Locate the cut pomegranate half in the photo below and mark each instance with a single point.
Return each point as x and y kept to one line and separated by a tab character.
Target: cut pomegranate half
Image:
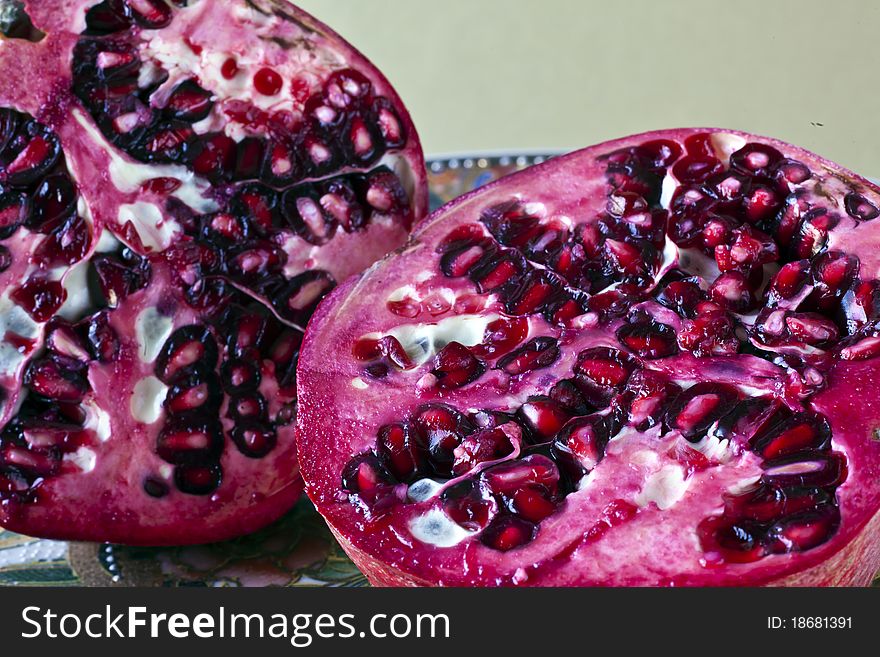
653	368
169	222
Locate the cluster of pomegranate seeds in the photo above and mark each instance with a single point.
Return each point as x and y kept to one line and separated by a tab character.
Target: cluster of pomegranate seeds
191	181
699	253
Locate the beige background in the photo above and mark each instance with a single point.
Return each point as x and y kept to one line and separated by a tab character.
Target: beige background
501	74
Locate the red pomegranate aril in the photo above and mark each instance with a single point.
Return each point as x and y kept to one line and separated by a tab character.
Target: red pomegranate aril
755	159
402	450
364	473
799	433
455	366
189	443
502	335
698	407
858	207
544	418
649	339
480	447
508	532
737	541
805	530
789	280
268	82
604	366
663	152
229	69
198	479
693	168
817	469
40	298
533	470
254	439
812	328
584	439
189	102
531	504
732	290
537	353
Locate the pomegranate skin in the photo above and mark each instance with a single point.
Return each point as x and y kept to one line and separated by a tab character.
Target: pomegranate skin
347	392
164	114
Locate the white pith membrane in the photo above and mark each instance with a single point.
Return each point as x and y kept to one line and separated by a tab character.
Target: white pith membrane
459	459
151	369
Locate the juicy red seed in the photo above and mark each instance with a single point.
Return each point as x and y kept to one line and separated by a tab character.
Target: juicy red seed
858	207
816	469
662	152
699	144
186	347
107	17
793	171
567	394
651	393
732	291
455	366
508	532
402	450
198	479
229	69
756	159
189	102
188	443
649	339
346	87
152	14
254	439
502	335
681	296
40	299
544	417
248	407
698	407
693	168
535	354
57	378
812	328
480	447
531	504
239	376
268	82
737	541
217	156
533	470
103	341
799	433
604	366
767	504
193	393
805	530
467	505
790	279
582	443
510	225
364	473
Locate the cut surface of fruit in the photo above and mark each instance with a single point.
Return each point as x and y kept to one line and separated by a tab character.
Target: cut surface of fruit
653	368
181	183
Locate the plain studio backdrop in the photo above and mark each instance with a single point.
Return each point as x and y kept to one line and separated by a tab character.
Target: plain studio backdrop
482	75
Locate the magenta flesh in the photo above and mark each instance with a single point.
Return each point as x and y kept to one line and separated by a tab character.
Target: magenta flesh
654	366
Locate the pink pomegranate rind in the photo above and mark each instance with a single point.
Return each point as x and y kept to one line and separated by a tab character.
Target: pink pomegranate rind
647	363
180	184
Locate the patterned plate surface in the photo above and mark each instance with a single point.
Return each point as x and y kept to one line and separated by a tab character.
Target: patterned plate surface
298	550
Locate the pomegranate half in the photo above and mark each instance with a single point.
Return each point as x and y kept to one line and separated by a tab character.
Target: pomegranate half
180	183
650	362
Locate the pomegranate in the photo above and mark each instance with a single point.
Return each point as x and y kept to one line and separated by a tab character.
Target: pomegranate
179	187
655	366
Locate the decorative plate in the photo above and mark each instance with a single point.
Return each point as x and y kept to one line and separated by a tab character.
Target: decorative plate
298	550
